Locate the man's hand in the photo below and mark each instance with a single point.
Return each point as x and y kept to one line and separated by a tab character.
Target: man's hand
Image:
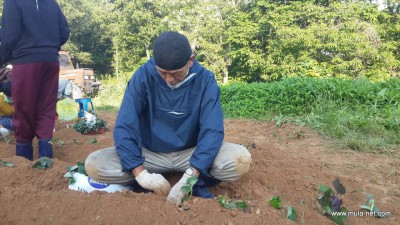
153	181
176	194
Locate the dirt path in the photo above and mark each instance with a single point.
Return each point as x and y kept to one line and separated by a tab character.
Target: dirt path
288	161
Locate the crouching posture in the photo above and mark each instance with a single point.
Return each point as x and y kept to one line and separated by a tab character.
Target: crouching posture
170	120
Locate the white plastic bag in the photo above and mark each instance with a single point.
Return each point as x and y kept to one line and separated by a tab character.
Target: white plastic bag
86	184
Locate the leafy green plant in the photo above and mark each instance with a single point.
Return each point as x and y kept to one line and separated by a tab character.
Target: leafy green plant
228	203
6	140
78	168
331	202
57	141
7	164
371	207
275	202
43	163
90	123
93	141
188	188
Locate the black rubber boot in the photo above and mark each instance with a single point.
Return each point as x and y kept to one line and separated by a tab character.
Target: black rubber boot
25	150
45	148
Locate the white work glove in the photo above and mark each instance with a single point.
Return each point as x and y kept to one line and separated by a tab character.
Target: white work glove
176	194
153	181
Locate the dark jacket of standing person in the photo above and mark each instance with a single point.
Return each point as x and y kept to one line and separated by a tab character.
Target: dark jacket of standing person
32	35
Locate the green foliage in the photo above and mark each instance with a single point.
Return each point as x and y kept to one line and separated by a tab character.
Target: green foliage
7	140
251	41
112	90
371	207
57	141
332	203
93	141
361	114
228	203
187	189
275	202
291	213
43	163
272	41
78	168
7	164
86	126
90	42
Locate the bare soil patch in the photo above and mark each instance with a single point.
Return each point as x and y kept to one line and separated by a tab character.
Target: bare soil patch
289	161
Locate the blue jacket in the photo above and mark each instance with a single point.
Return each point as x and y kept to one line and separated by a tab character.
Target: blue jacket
162	119
32	31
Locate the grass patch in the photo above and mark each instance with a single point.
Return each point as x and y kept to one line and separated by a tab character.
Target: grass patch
358	114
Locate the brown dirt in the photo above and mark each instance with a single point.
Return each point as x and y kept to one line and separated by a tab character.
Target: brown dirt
289	161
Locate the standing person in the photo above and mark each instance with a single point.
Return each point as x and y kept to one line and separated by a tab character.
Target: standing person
170	120
32	33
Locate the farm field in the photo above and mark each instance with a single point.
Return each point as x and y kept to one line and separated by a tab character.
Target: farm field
288	161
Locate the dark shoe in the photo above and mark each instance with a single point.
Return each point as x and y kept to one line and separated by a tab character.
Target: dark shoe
200	189
202	192
45	148
25	150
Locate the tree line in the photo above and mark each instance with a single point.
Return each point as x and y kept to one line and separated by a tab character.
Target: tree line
242	40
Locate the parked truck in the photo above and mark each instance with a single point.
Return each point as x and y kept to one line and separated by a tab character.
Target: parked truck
84	78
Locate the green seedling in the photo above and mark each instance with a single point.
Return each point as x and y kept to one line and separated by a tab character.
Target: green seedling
228	203
57	141
371	207
43	163
93	141
76	141
6	140
330	201
78	168
275	202
7	164
188	188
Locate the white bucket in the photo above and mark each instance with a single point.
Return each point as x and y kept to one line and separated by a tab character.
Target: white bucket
86	184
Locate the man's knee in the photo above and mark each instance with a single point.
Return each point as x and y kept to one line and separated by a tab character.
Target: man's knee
91	165
98	162
232	162
242	161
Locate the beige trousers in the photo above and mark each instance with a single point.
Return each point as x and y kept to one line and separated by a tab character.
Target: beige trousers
231	163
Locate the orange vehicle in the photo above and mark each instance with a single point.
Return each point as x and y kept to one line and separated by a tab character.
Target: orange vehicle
84	78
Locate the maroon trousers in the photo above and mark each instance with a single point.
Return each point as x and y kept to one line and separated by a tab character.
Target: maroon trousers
34	93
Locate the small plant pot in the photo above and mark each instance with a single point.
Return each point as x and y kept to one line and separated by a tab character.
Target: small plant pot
98	131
